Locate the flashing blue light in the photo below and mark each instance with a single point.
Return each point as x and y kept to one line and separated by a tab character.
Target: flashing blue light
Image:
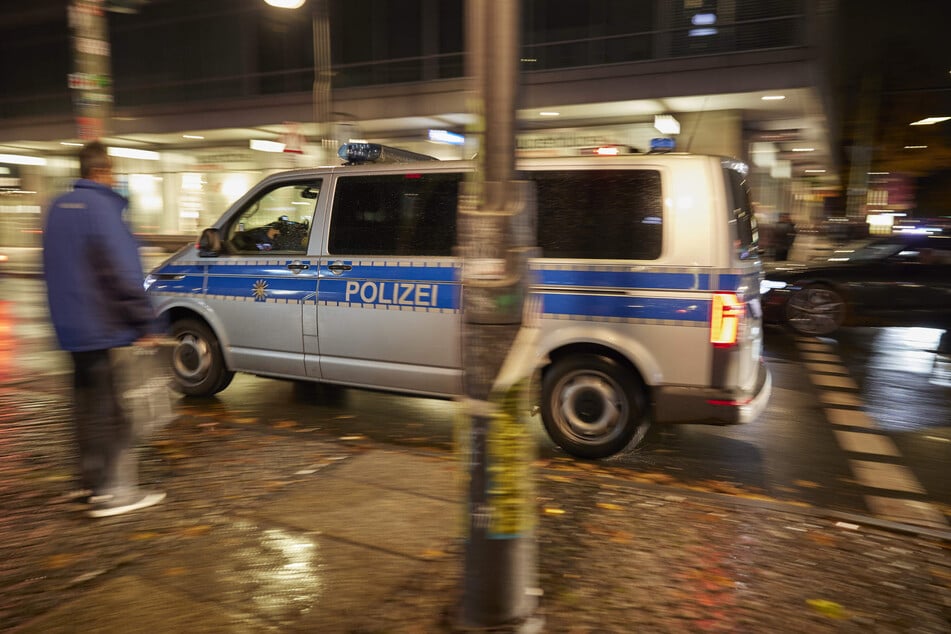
702	32
444	136
704	19
360	152
662	144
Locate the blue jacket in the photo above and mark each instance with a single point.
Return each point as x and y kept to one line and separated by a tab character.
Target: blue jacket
93	271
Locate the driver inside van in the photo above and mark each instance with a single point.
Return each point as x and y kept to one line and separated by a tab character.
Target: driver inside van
256	239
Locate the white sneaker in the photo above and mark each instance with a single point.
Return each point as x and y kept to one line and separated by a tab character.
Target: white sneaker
109	505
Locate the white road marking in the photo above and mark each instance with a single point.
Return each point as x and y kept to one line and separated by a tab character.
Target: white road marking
863	442
884	475
821	356
834	381
908	511
840	398
826	371
849	418
827	368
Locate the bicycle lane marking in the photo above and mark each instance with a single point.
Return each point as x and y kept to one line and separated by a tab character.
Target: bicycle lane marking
879	463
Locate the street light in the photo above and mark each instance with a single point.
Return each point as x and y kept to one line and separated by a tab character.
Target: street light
286	4
322	74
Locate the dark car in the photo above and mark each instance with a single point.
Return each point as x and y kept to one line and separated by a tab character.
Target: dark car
898	280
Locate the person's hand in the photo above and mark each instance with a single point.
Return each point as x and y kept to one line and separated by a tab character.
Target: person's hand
152	341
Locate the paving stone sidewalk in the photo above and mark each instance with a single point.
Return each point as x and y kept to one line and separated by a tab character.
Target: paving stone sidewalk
270	530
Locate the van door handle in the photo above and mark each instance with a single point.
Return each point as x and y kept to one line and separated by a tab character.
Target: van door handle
337	268
297	266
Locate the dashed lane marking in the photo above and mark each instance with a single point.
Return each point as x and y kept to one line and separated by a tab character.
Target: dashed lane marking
829	380
826	371
840	398
849	418
821	356
864	442
827	368
884	475
907	511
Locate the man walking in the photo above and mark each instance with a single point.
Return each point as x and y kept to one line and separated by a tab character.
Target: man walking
97	302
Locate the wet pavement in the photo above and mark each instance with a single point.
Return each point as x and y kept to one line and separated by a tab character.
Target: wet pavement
272	526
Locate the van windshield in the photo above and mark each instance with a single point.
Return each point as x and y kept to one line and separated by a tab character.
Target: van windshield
746	233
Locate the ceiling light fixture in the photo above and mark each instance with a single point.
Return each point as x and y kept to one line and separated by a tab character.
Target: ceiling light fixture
548	113
929	121
666	124
266	146
773	97
804	149
814	171
192	136
285	4
16	159
132	153
915	147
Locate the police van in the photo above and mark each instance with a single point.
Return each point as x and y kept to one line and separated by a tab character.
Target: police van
648	282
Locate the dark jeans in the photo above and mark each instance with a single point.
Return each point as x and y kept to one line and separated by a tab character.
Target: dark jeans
103	432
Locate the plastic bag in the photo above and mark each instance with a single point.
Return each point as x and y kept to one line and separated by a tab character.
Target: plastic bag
143	375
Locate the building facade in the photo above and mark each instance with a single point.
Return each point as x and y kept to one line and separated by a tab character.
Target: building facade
194	84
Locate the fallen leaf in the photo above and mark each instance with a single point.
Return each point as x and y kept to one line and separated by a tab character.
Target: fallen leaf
178	571
196	531
554	511
807	484
610	506
62	560
827	608
143	536
621	537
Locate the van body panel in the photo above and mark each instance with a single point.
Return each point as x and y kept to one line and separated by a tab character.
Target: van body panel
346	303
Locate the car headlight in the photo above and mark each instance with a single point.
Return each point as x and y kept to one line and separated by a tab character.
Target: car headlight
149	280
766	286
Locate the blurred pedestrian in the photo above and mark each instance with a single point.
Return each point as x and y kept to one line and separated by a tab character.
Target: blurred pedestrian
97	303
785	235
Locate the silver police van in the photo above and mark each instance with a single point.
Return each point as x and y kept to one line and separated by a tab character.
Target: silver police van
648	283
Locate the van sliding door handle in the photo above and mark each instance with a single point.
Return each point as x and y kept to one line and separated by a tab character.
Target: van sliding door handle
298	266
339	268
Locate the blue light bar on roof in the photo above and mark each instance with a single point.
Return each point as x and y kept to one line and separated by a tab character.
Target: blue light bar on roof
662	144
444	136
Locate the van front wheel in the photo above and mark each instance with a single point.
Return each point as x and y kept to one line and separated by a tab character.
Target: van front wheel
592	407
198	366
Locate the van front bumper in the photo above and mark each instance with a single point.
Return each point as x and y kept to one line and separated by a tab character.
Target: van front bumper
680	404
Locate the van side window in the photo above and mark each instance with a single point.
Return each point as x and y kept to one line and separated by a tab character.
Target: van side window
600	214
394	214
277	220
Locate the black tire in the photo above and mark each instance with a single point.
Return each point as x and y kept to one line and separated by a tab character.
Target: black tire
198	367
592	407
816	310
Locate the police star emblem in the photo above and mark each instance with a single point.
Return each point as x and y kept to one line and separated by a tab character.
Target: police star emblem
260	290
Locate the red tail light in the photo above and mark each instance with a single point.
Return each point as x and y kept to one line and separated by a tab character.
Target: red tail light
726	313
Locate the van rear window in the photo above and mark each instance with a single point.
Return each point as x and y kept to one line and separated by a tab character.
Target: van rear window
741	214
599	214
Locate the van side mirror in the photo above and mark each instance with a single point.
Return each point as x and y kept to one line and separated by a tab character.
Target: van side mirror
209	243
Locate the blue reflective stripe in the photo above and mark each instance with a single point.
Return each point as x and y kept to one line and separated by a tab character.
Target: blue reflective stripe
261	287
624	279
270	268
625	307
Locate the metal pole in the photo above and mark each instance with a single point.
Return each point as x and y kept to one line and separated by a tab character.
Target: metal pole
496	218
91	80
322	78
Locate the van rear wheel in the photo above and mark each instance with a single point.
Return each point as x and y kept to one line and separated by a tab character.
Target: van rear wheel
198	367
592	407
